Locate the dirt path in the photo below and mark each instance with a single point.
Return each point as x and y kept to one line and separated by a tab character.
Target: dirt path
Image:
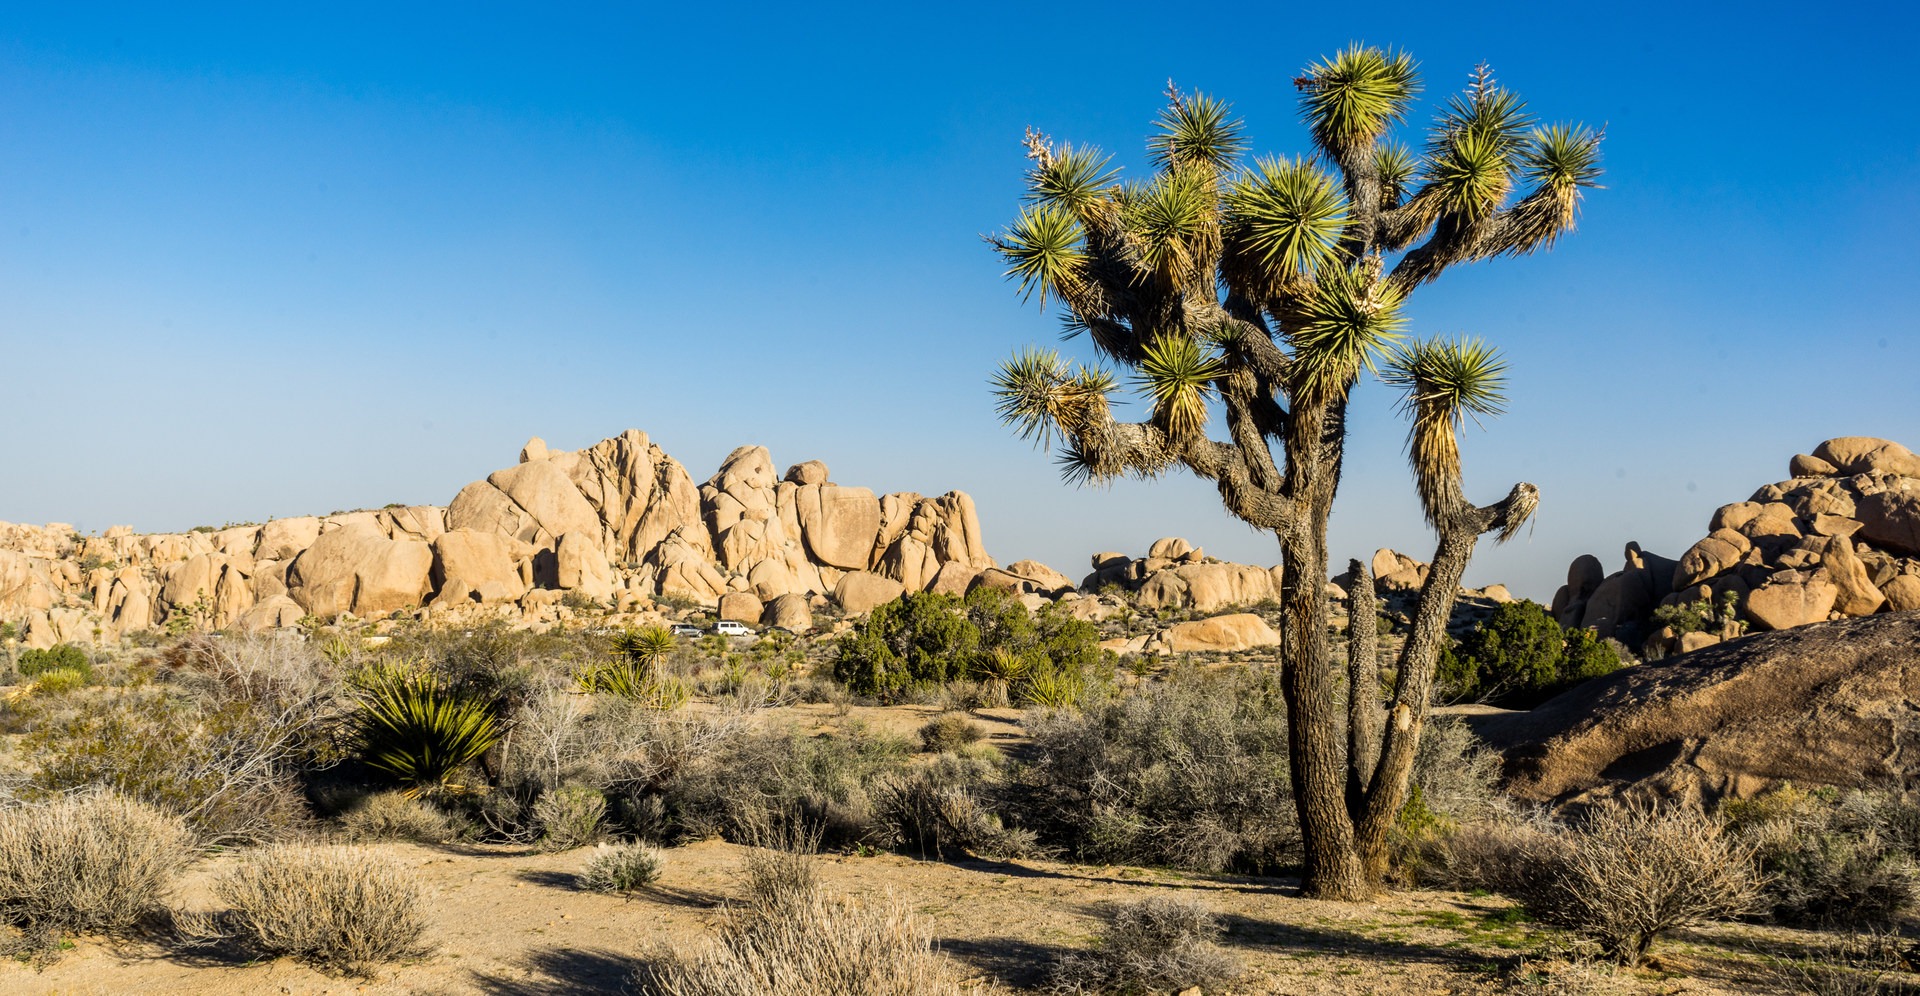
511	922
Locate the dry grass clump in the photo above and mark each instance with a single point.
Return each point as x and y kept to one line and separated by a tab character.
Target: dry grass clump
791	938
395	816
569	817
950	732
945	810
1160	944
1833	859
1628	875
88	864
622	867
339	908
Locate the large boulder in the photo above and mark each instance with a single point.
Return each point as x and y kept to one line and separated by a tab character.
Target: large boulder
1711	557
789	612
1902	592
741	606
1239	631
1854	591
839	524
1816	705
581	565
357	569
1867	455
1891	518
860	592
1791	598
482	566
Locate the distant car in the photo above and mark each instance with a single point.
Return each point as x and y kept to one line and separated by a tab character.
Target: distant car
727	627
685	629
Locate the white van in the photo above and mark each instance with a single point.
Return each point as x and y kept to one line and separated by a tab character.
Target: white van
727	627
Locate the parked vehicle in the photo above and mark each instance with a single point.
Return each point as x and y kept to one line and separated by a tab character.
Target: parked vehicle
685	629
727	627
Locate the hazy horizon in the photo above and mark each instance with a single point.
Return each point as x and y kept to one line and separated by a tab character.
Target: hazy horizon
257	264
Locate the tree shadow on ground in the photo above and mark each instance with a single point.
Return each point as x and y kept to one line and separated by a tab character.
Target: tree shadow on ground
1010	961
1291	938
560	972
1196	881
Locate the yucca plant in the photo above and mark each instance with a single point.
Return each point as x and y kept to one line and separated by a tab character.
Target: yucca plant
1245	299
421	733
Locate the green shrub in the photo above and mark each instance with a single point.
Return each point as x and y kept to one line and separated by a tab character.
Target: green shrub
924	639
420	732
622	867
340	908
1520	657
61	657
88	864
569	817
917	640
60	680
1155	945
748	777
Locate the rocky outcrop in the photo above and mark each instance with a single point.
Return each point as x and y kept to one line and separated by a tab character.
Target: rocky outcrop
618	523
1825	704
1839	539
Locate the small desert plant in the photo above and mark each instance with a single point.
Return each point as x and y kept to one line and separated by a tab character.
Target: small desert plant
940	810
88	863
1156	945
1628	875
420	732
569	817
782	868
340	908
1851	965
950	732
60	680
622	867
800	941
60	657
1831	859
394	816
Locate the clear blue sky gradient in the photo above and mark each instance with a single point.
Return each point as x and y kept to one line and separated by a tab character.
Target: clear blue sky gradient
264	264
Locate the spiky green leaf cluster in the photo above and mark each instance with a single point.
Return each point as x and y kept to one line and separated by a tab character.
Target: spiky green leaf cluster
1476	147
1443	382
1351	98
1038	394
420	732
1045	249
1396	165
1289	214
644	647
1069	177
1347	323
1178	375
1196	131
1173	224
1561	157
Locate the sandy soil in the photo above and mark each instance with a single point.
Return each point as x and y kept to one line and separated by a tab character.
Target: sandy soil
513	922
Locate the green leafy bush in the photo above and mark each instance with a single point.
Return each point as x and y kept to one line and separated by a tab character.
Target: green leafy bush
917	640
925	639
1520	657
61	657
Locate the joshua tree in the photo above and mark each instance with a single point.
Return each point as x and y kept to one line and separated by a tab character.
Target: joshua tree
1262	290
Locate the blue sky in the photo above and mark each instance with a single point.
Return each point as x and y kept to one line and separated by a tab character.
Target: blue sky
261	264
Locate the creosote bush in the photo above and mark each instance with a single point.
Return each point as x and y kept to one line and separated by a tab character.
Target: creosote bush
622	867
1156	945
395	816
950	732
340	908
1833	859
92	864
60	657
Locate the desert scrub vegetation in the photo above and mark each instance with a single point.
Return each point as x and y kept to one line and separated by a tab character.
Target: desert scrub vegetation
1623	875
792	937
925	640
948	809
394	816
622	867
60	657
1156	945
87	864
339	908
1833	859
950	732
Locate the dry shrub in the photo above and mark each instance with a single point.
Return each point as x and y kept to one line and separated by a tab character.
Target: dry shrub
340	908
88	864
1851	965
1833	859
570	817
1629	874
1160	944
622	867
950	732
395	816
793	939
942	810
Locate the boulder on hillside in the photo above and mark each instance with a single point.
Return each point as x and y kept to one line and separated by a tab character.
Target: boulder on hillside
1239	631
789	612
484	567
1817	705
860	592
357	569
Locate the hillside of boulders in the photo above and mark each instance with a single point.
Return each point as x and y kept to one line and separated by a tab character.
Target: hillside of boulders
1839	539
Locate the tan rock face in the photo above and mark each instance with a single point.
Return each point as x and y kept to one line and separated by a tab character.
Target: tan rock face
284	539
1903	593
1711	557
488	567
1803	465
1240	631
839	524
789	612
1855	594
356	569
810	472
741	606
1891	518
1796	600
860	592
581	565
1867	455
547	496
1625	596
